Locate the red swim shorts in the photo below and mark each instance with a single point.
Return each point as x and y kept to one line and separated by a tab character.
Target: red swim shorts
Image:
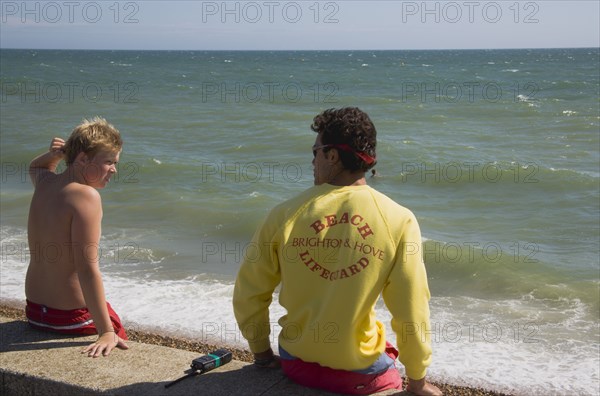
313	375
75	321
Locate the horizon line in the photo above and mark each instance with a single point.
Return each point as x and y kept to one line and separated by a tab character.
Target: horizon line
291	50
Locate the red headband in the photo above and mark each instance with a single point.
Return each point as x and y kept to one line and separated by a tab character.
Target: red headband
360	154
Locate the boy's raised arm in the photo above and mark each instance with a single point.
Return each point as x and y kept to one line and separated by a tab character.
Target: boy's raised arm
48	161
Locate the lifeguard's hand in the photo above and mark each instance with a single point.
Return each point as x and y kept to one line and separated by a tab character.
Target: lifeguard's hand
422	388
266	359
104	344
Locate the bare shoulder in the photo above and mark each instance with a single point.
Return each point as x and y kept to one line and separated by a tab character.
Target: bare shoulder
83	197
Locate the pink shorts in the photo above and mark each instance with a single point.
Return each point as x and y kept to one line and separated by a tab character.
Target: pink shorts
313	375
75	321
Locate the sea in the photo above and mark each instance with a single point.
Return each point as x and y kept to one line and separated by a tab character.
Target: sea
495	151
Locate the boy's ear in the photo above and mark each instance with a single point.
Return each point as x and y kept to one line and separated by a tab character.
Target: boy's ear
82	158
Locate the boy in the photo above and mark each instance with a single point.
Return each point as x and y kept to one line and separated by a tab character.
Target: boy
63	285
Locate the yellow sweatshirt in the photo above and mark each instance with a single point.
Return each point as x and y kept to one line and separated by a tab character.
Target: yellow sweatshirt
335	250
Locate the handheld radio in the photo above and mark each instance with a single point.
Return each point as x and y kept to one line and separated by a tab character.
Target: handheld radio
205	363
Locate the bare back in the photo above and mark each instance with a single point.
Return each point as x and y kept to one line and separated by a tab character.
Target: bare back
52	276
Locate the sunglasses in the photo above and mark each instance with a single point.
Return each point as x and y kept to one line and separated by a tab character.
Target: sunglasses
317	148
344	147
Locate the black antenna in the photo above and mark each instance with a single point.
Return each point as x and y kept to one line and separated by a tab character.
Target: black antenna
191	373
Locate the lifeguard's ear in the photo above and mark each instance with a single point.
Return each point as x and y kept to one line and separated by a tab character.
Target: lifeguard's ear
332	155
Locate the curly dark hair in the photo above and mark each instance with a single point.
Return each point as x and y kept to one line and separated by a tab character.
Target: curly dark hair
348	126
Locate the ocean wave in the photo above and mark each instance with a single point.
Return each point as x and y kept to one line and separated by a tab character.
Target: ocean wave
501	270
481	332
490	174
569	113
568	173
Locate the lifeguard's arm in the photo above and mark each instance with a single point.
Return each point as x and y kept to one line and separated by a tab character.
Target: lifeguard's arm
48	161
406	295
256	281
85	237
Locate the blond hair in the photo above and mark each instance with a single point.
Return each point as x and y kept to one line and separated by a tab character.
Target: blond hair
90	137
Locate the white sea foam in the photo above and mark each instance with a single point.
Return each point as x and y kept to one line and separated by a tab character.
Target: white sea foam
121	64
526	99
513	346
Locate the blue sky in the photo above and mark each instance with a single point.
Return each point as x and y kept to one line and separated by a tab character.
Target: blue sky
288	25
